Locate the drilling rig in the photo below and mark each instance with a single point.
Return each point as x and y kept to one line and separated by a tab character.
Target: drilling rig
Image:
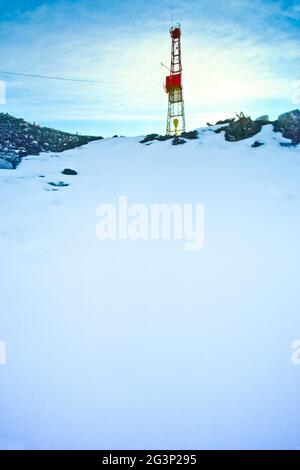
173	87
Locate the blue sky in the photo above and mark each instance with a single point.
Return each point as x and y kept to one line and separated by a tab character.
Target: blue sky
237	55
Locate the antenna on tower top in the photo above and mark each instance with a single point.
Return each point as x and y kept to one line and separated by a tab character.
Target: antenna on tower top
172	16
173	87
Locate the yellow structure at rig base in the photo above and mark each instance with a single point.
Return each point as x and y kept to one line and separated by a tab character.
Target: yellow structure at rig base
176	122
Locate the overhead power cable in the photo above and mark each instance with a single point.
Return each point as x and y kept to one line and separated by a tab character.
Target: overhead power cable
48	77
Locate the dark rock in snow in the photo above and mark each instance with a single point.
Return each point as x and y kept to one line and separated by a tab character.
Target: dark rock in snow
5	164
290	116
152	137
149	138
191	135
59	184
68	171
9	159
257	144
288	144
264	118
178	141
289	125
221	129
225	121
163	138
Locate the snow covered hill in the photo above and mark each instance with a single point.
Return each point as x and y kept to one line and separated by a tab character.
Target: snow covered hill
141	344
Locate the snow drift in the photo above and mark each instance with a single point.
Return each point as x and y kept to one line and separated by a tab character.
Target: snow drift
140	344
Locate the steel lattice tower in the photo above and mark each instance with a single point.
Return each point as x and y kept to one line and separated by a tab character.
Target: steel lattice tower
176	117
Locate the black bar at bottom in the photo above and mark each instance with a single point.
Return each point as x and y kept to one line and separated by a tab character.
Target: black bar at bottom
138	458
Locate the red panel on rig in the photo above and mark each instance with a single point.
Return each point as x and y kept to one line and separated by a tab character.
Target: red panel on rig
173	81
175	33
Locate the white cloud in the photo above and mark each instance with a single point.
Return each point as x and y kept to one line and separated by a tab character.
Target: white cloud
224	63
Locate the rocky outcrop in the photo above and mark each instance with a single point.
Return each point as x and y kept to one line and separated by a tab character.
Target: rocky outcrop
289	124
190	135
241	128
23	138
